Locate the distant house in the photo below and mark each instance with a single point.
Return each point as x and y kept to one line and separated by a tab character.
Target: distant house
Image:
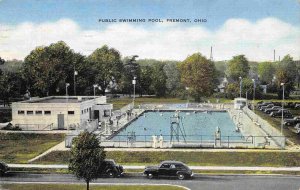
59	112
223	82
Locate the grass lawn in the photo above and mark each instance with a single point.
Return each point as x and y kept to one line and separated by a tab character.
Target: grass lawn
276	122
19	148
121	102
205	158
83	187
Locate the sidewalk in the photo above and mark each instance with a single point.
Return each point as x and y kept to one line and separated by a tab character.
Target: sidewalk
224	168
58	147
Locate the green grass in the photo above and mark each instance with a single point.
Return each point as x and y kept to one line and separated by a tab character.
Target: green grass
21	147
260	172
205	158
276	123
83	187
121	102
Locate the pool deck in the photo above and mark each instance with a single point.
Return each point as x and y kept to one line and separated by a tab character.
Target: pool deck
254	136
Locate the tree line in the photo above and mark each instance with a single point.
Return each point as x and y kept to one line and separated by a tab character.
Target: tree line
47	69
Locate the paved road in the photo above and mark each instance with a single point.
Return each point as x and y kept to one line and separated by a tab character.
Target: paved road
201	182
225	168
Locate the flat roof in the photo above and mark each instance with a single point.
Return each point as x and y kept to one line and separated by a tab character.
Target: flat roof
60	99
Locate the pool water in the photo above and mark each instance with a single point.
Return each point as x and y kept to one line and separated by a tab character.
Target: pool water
197	126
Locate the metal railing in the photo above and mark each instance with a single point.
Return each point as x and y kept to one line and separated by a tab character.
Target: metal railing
192	141
35	127
183	106
268	129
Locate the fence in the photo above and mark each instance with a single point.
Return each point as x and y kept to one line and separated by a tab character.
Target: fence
182	106
268	129
191	141
89	126
35	127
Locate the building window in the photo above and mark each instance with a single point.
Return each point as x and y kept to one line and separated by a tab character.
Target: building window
21	112
71	112
106	113
29	112
38	112
81	111
47	112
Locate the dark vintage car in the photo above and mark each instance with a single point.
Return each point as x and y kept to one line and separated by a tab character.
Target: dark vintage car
292	121
169	169
273	109
109	168
297	128
259	105
286	113
263	108
3	168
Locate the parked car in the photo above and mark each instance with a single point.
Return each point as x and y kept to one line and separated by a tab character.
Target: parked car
297	128
259	105
263	108
3	168
297	106
274	108
111	169
169	169
286	113
293	121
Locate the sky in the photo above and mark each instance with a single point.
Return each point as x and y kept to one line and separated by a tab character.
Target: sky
253	28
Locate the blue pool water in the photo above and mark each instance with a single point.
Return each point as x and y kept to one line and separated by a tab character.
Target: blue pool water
197	126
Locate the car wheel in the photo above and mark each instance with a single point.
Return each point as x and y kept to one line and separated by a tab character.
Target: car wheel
111	174
150	176
1	173
180	176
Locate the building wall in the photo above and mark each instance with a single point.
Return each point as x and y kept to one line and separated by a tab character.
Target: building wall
32	115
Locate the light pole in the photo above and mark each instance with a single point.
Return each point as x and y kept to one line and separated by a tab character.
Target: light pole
254	86
75	73
282	84
95	86
67	85
240	86
187	89
134	83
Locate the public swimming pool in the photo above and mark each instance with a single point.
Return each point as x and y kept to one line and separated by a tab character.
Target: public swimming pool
198	126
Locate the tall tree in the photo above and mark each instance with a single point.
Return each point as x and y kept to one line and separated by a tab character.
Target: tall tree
199	74
47	69
107	64
11	65
86	157
2	61
145	79
173	77
286	72
10	86
158	80
131	70
237	67
266	71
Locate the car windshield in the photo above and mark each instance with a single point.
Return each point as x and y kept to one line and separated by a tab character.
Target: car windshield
112	162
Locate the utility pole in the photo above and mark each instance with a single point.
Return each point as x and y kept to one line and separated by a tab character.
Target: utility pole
211	54
75	73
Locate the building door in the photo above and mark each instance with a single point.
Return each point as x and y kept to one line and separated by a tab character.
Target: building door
60	121
90	113
96	114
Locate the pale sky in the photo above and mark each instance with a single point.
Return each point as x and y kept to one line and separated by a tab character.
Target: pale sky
253	28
